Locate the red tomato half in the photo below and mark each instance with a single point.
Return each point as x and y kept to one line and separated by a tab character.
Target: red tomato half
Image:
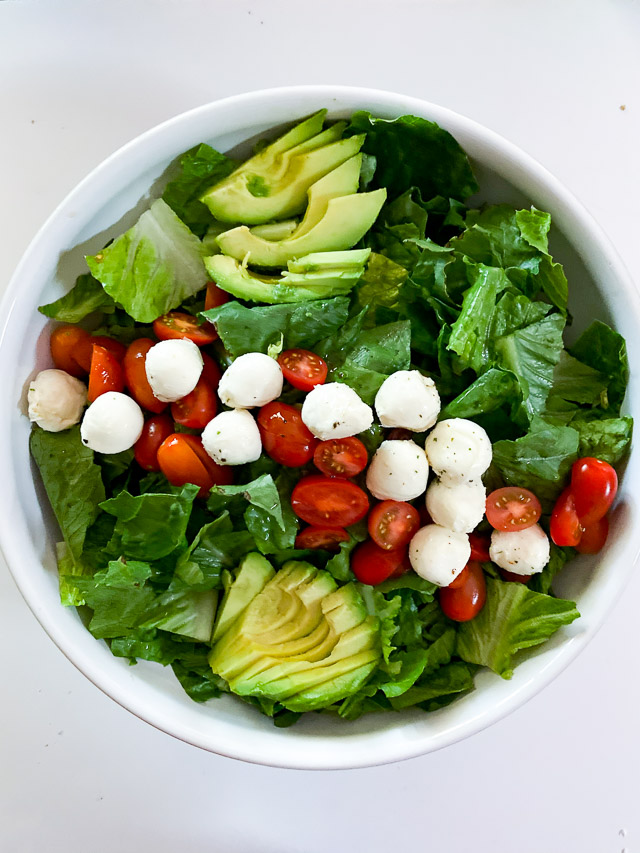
329	502
106	373
594	484
65	343
327	538
155	430
177	324
341	457
479	548
593	537
135	376
565	527
303	369
285	437
197	408
372	565
216	296
461	603
392	524
512	508
183	459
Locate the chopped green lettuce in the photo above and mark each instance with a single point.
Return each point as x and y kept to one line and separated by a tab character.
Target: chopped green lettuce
85	297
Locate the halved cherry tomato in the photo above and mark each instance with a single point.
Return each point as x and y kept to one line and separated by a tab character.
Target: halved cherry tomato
197	408
593	537
177	324
285	437
565	527
327	538
329	502
392	524
155	430
211	370
512	508
479	548
400	434
215	296
594	484
341	457
183	459
303	369
461	603
460	579
106	373
372	565
65	343
513	577
135	376
84	351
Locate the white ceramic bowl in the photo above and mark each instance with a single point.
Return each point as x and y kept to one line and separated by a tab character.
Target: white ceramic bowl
109	200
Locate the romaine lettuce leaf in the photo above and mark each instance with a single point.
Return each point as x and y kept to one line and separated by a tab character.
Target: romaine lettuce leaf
606	351
607	439
86	296
273	531
215	547
183	611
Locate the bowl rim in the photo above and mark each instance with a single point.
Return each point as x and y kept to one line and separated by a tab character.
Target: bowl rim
355	752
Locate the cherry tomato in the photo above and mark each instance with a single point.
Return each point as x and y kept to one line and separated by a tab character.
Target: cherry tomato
285	437
65	343
479	548
461	579
84	351
155	430
400	434
341	457
392	524
512	508
327	538
197	408
594	536
135	376
565	527
177	324
329	502
372	565
183	459
211	371
594	484
461	603
106	373
216	296
513	577
303	369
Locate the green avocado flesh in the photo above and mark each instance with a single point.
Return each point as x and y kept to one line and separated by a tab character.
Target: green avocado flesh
300	640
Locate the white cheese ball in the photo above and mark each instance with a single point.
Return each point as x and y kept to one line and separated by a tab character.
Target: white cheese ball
334	410
398	471
409	400
439	555
173	368
523	552
253	379
56	400
458	506
232	438
112	423
458	450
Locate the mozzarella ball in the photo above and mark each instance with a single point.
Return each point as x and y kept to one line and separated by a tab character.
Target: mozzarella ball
409	400
232	438
112	423
253	379
398	471
173	368
334	410
458	506
523	552
458	450
439	555
56	400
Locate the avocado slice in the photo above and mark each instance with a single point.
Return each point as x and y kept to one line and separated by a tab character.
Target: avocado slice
317	261
341	181
346	220
253	574
273	230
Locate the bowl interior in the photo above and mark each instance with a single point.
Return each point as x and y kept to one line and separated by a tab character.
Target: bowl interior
107	202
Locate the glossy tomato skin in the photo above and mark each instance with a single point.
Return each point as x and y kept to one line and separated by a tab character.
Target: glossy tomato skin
65	344
285	438
594	537
326	538
197	408
302	368
461	603
106	373
179	325
183	459
392	524
135	376
565	527
512	577
211	370
373	565
328	501
479	548
84	351
594	484
512	508
341	457
156	429
215	296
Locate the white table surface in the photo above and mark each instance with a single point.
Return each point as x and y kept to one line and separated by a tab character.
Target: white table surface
561	78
